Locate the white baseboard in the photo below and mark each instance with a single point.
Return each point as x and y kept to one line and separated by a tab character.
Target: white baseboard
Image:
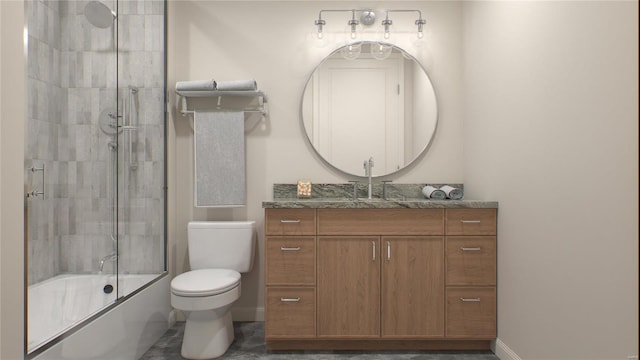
247	314
503	352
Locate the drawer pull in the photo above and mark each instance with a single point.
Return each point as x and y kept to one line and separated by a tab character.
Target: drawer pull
470	221
290	248
470	248
470	299
290	299
285	221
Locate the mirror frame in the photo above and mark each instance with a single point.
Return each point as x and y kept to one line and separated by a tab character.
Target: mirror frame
405	54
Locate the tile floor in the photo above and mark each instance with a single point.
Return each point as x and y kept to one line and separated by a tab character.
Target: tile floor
249	345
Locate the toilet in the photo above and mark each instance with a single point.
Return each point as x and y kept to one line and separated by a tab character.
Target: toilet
218	252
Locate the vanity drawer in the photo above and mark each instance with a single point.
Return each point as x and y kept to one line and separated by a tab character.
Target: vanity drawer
380	221
471	221
290	221
471	260
471	313
291	260
290	312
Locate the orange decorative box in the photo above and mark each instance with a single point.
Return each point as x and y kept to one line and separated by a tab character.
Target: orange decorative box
304	188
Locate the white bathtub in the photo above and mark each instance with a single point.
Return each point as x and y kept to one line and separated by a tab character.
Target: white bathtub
125	331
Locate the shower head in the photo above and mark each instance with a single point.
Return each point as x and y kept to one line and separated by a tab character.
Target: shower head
99	14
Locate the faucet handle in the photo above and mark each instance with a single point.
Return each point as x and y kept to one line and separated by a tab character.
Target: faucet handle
384	188
355	188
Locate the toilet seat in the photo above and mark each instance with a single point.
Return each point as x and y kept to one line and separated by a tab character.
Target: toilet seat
205	282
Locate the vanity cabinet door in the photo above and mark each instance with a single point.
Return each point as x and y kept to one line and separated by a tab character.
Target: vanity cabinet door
471	312
348	286
290	312
291	260
471	260
412	286
471	221
290	222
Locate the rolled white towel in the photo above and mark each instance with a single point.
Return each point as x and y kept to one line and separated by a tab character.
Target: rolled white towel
237	85
452	192
196	85
433	193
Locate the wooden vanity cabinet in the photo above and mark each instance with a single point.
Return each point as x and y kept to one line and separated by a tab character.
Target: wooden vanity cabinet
380	278
380	273
471	273
290	277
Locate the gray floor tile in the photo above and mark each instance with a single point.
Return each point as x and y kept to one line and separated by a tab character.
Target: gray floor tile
249	345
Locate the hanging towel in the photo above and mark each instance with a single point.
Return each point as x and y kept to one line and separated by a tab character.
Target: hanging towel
196	85
219	159
433	193
237	85
452	192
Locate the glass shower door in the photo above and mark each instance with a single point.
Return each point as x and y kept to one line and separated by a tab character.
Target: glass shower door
70	164
141	177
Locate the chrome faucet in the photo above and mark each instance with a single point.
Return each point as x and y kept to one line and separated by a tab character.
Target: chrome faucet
111	257
368	164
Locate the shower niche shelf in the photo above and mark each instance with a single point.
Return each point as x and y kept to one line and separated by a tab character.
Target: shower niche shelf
240	100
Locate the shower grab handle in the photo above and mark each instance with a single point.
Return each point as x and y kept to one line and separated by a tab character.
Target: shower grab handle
130	124
35	193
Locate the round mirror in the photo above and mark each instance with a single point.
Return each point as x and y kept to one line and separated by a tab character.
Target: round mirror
369	100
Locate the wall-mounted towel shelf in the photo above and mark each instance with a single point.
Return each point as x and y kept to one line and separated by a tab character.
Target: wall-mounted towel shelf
187	98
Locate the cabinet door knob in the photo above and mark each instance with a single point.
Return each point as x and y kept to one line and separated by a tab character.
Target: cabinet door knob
470	221
290	299
470	299
286	221
470	248
290	248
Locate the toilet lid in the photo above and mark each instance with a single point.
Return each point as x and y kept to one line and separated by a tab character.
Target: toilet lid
205	282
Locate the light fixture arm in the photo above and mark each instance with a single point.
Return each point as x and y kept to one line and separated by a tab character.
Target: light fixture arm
367	17
420	22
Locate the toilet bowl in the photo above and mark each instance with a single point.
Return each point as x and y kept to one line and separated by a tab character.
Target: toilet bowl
218	252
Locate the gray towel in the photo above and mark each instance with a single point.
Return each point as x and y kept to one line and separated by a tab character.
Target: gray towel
452	192
196	85
433	193
219	159
235	85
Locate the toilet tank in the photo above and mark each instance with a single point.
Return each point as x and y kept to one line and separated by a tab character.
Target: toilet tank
221	245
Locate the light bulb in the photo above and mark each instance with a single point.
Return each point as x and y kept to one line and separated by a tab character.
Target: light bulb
320	23
387	23
352	25
420	23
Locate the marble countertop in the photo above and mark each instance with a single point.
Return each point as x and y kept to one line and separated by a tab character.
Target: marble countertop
376	203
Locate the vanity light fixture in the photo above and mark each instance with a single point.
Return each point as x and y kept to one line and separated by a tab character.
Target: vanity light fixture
353	23
367	17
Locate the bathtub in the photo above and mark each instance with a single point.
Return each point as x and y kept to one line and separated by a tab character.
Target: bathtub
75	316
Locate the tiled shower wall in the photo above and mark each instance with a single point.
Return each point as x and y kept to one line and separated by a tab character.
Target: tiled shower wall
74	73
